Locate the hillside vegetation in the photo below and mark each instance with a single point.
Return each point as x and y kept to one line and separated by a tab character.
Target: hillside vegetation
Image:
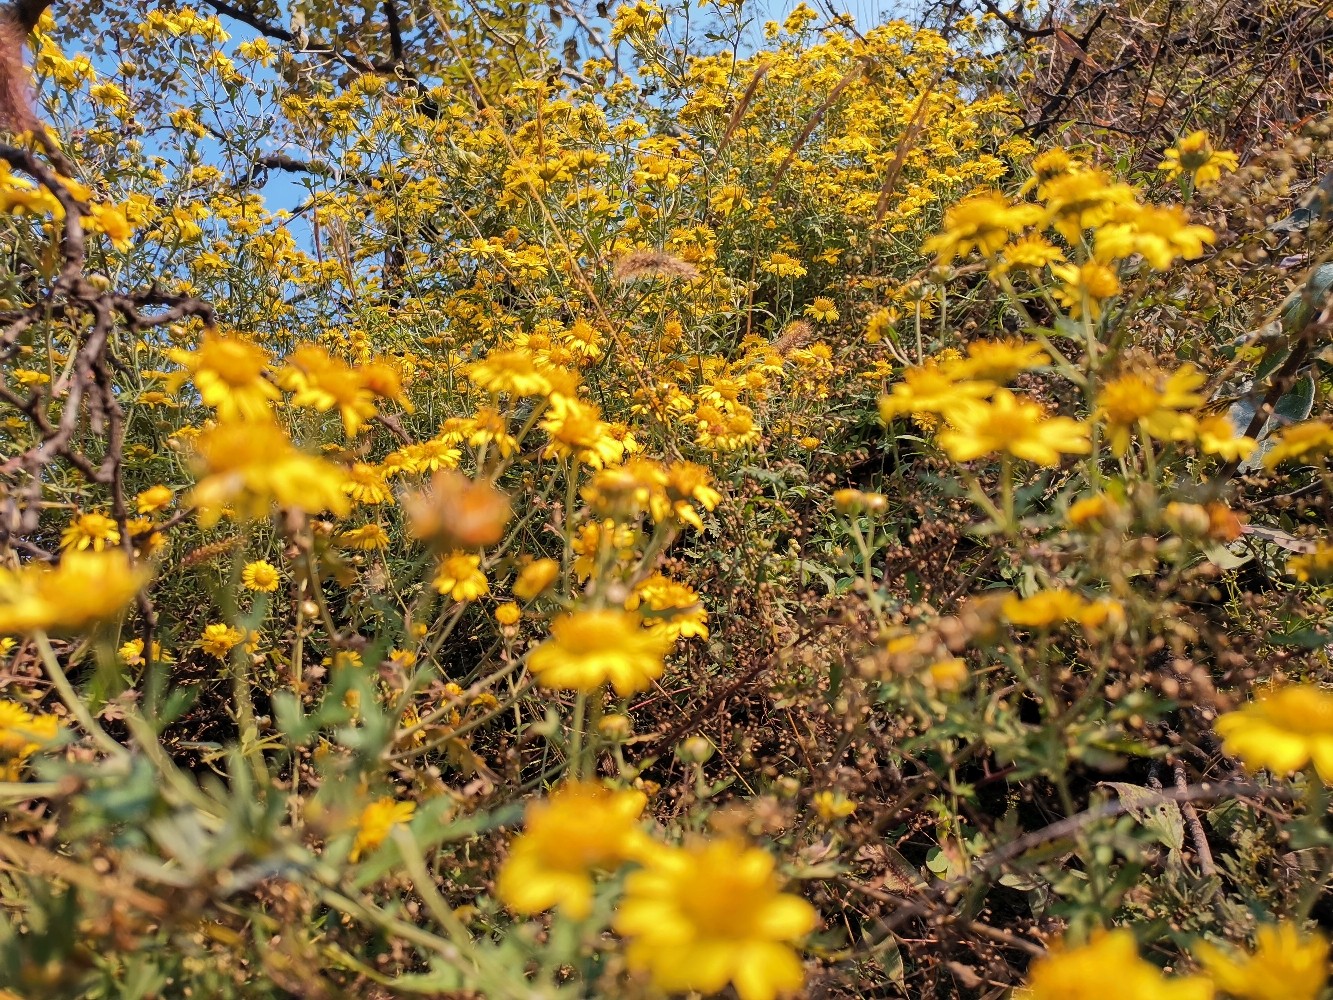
504	500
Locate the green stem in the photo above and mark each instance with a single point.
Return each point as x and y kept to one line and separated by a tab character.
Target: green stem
72	700
576	734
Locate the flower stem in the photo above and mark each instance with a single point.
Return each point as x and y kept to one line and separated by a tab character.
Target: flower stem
72	700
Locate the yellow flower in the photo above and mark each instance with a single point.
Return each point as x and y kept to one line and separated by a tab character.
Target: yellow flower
822	310
324	383
1217	436
998	360
582	828
85	587
260	575
229	374
1304	440
1084	199
93	530
984	221
621	493
831	805
20	731
508	613
153	499
1108	966
701	917
21	735
1013	425
132	653
590	648
1090	510
1316	565
1159	234
460	577
514	373
366	538
1282	730
535	577
219	640
1194	155
577	431
377	820
367	484
673	609
1027	253
1048	607
1085	287
949	674
932	388
1052	163
1152	401
783	265
688	489
254	466
1285	965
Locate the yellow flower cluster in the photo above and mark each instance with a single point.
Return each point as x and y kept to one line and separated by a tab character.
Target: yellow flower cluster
697	918
1285	965
980	417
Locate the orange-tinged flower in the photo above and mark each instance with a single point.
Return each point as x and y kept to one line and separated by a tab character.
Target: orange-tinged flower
581	829
457	512
702	917
590	648
1091	510
535	577
1282	730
